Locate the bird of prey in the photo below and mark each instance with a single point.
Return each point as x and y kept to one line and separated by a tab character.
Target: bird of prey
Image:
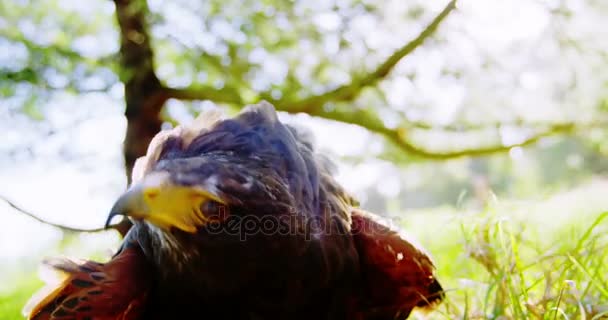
241	218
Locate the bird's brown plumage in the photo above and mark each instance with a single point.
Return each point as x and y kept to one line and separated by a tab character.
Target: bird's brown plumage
102	291
348	264
397	275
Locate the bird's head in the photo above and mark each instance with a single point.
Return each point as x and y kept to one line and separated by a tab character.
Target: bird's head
191	176
189	193
167	203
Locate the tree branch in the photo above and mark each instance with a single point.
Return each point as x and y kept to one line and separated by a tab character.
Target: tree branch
399	138
469	126
16	35
56	225
225	95
314	105
309	105
350	91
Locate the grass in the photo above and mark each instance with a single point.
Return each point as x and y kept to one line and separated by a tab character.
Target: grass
540	259
535	260
11	302
505	269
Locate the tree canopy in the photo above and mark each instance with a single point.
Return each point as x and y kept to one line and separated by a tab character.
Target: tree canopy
436	80
407	71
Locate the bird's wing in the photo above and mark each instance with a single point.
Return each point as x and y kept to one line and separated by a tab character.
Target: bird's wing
90	290
398	275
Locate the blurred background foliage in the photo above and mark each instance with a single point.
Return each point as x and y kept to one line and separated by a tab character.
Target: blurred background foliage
425	105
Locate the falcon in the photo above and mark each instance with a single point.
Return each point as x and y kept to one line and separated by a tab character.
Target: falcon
242	218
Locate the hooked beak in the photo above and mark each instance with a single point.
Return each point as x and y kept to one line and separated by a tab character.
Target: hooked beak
159	201
127	205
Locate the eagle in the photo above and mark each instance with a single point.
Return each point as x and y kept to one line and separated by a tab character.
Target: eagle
242	218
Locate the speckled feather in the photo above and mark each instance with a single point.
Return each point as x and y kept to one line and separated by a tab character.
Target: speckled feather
114	290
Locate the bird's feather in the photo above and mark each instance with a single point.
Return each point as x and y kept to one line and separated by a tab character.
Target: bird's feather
91	290
398	275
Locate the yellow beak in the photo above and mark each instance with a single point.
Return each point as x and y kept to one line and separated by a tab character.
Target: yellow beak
157	200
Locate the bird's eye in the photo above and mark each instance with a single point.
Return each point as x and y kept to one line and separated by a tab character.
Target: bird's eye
214	210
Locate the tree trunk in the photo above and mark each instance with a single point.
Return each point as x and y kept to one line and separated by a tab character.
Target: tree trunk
143	91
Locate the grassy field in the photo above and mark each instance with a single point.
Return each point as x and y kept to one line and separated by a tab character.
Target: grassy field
544	258
539	259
